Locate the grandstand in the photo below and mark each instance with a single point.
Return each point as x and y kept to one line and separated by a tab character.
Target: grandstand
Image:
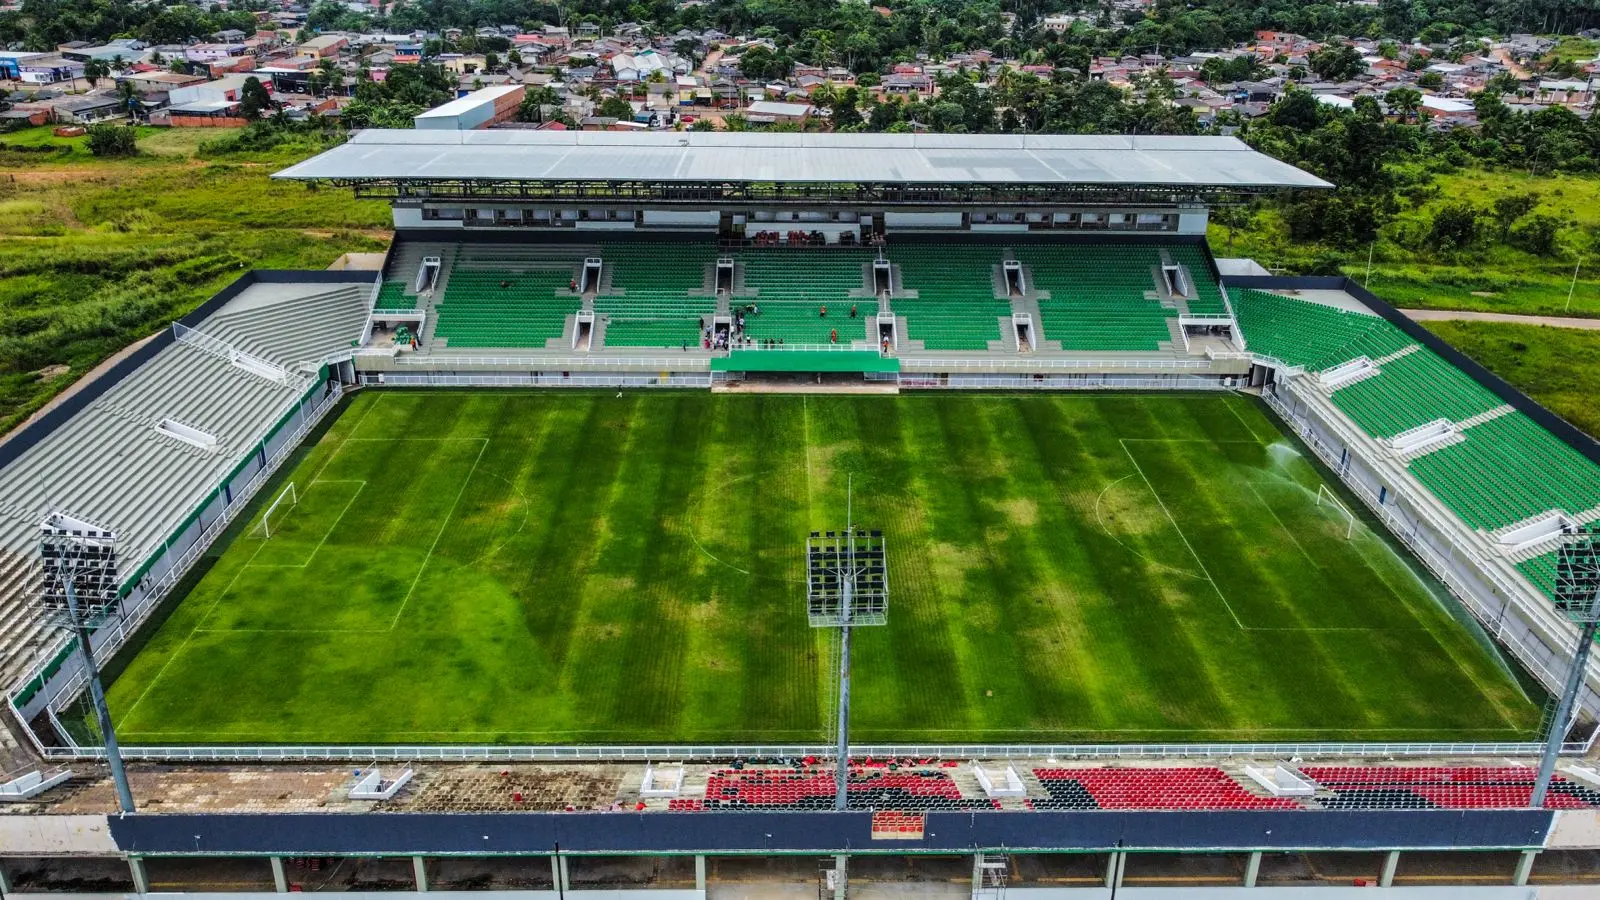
1292	565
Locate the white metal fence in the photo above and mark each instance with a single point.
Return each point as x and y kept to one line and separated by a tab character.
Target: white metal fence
659	752
550	379
687	361
1037	363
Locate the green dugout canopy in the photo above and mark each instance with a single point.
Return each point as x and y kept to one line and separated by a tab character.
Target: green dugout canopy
804	361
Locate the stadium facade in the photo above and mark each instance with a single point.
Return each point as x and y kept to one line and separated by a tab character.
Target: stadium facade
800	262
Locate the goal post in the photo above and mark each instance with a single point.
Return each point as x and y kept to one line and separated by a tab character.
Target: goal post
1325	497
264	527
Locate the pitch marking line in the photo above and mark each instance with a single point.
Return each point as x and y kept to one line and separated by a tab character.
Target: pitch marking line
332	527
1198	561
443	527
1181	535
1100	520
1274	514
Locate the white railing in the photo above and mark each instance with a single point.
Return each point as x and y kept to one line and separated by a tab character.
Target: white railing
660	752
113	635
1285	369
523	379
808	348
559	363
224	350
1035	363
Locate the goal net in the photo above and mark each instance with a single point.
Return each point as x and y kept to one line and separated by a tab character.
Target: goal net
281	504
1326	498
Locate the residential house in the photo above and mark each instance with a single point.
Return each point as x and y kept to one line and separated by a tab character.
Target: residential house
324	45
48	70
83	110
206	53
771	112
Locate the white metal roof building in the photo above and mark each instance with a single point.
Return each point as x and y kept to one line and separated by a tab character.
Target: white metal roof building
1105	161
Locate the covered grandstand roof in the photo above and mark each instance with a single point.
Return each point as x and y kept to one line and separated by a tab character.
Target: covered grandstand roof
512	155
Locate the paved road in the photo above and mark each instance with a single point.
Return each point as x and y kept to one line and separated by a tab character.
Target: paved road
1426	315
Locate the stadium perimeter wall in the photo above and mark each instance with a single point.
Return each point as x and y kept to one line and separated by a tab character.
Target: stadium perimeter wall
770	833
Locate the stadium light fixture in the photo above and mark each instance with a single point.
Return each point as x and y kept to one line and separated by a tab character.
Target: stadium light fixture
79	593
1577	596
847	584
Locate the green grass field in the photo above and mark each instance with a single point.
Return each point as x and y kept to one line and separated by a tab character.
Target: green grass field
577	567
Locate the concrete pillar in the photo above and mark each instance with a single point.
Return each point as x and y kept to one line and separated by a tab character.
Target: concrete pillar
555	873
1114	869
5	881
1390	863
1524	867
280	878
977	874
841	885
419	866
141	881
566	876
700	872
1252	868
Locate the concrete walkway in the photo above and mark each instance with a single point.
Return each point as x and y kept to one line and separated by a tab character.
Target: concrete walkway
1464	315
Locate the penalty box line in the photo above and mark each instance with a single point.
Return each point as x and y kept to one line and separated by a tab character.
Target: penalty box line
1201	563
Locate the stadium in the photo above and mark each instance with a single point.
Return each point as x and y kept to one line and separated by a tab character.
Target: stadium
664	512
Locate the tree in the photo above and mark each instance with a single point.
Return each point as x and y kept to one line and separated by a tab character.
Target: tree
615	108
702	125
1403	101
1430	81
94	70
1537	235
1508	209
254	99
534	102
1455	227
1338	62
112	140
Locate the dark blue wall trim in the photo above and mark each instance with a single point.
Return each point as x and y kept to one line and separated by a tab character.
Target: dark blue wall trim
1561	428
333	834
26	437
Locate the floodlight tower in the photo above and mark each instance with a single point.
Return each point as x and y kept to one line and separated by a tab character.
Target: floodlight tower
1578	596
80	590
847	585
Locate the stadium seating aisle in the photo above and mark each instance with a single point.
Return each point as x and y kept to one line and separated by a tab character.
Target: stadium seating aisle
1207	299
955	307
1097	295
1442	787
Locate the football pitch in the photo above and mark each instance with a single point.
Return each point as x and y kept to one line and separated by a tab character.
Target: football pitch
567	568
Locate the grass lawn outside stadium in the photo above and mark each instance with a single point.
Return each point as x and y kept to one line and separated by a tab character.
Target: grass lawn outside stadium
568	568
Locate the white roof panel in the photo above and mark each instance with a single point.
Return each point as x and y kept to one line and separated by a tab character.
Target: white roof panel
740	157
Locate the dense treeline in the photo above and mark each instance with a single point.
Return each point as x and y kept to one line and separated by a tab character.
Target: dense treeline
850	33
